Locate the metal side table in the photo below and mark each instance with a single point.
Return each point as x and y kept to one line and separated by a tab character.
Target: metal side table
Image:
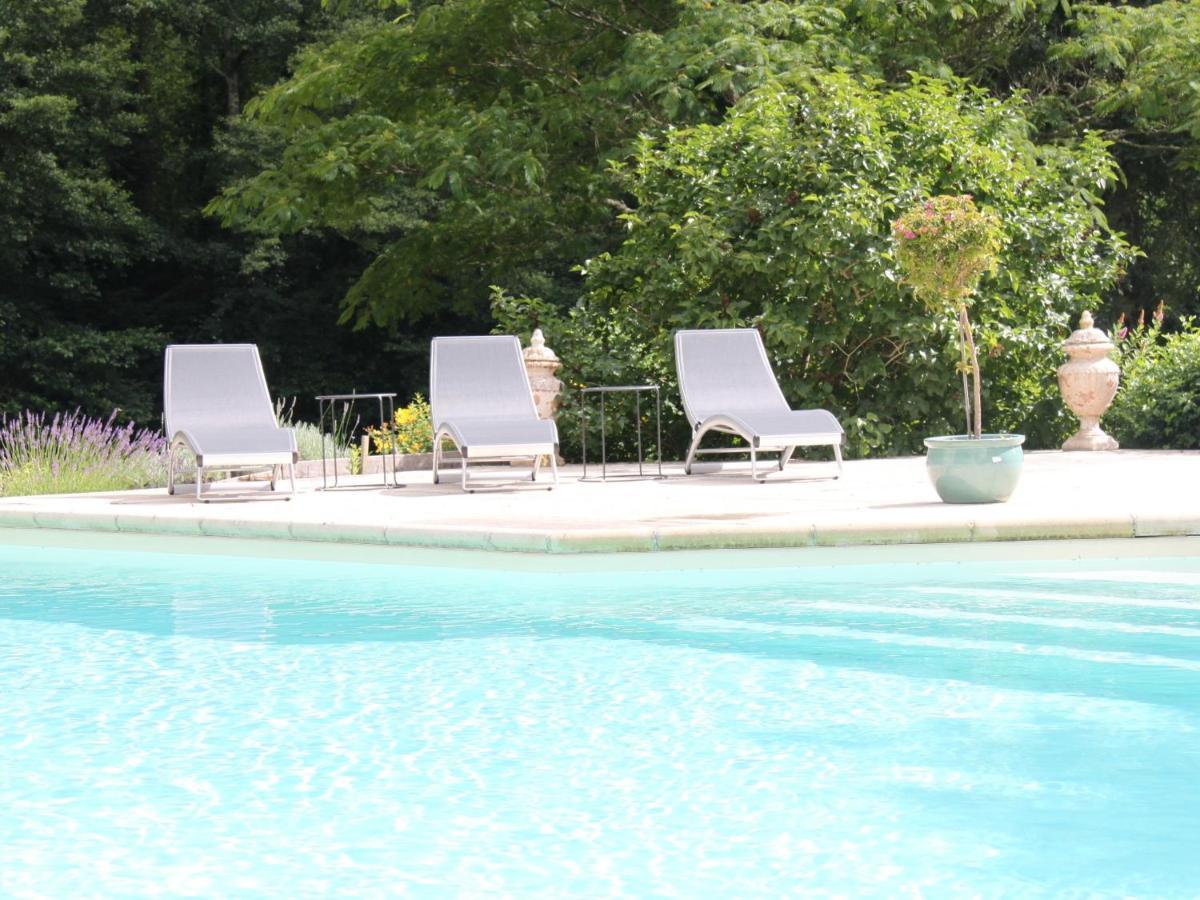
637	390
329	402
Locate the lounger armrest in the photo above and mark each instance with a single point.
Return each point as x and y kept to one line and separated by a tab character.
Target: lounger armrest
447	429
291	433
727	423
185	437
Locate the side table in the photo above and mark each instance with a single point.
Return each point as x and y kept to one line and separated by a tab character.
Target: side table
637	390
329	402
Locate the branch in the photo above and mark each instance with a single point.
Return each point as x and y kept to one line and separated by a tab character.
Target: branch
594	18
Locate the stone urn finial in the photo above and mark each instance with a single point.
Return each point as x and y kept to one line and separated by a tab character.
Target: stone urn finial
1088	381
540	364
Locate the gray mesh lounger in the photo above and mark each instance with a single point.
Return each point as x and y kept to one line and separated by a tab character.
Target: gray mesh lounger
216	405
480	399
727	385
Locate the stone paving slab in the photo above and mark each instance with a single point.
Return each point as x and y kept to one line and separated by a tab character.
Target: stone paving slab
1125	494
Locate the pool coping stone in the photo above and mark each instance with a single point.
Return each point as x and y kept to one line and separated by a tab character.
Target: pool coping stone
1062	496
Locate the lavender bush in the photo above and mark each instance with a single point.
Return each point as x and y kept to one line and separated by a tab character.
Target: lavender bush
72	453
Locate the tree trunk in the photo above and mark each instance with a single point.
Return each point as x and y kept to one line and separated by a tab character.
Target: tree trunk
231	61
964	324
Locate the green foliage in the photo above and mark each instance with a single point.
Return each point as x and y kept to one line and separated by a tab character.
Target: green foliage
421	151
779	217
1157	406
944	245
1155	49
411	430
311	441
67	83
308	442
595	349
467	144
72	453
1132	71
115	129
980	40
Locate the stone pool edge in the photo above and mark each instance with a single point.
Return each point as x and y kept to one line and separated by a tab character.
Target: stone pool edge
846	532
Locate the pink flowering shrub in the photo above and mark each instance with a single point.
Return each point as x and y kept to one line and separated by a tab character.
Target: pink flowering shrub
1156	406
943	246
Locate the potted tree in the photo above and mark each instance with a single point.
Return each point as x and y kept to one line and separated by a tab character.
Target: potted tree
943	246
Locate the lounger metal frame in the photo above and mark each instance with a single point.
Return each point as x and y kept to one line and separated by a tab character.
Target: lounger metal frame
448	426
182	437
731	423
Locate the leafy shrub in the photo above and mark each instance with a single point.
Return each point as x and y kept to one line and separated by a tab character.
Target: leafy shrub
71	453
410	432
309	437
779	218
944	245
596	349
1158	403
308	442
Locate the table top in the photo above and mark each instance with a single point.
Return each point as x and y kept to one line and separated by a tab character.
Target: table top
608	388
354	396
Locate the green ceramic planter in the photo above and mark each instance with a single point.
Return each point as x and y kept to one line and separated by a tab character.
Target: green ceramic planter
974	470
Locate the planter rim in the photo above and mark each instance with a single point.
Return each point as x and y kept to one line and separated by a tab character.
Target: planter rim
986	440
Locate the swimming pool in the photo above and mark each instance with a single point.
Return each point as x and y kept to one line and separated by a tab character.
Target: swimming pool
194	724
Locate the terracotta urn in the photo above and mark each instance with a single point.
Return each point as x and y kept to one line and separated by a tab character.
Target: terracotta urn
540	364
1088	381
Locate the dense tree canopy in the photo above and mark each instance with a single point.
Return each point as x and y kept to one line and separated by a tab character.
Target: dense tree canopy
71	228
114	133
779	217
410	168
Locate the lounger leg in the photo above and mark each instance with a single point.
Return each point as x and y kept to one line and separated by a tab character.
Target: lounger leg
437	456
464	473
292	477
691	454
274	476
554	467
537	464
837	454
171	472
754	463
785	457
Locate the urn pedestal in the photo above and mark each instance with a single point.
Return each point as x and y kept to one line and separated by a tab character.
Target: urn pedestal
540	365
1088	382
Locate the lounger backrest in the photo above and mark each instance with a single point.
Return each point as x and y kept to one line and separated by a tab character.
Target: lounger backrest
215	385
474	377
723	371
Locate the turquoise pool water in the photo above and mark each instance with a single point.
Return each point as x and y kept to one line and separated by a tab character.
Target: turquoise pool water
218	725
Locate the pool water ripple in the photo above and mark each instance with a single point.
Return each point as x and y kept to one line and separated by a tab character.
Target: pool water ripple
198	726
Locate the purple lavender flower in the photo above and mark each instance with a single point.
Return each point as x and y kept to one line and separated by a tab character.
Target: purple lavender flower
73	452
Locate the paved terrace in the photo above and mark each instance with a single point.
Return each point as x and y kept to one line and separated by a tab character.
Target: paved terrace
1061	496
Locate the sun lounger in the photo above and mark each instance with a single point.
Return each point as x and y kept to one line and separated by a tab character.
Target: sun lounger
728	386
480	399
216	406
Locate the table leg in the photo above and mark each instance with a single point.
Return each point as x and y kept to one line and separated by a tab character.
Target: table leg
382	458
583	430
603	447
637	411
391	401
321	428
658	426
